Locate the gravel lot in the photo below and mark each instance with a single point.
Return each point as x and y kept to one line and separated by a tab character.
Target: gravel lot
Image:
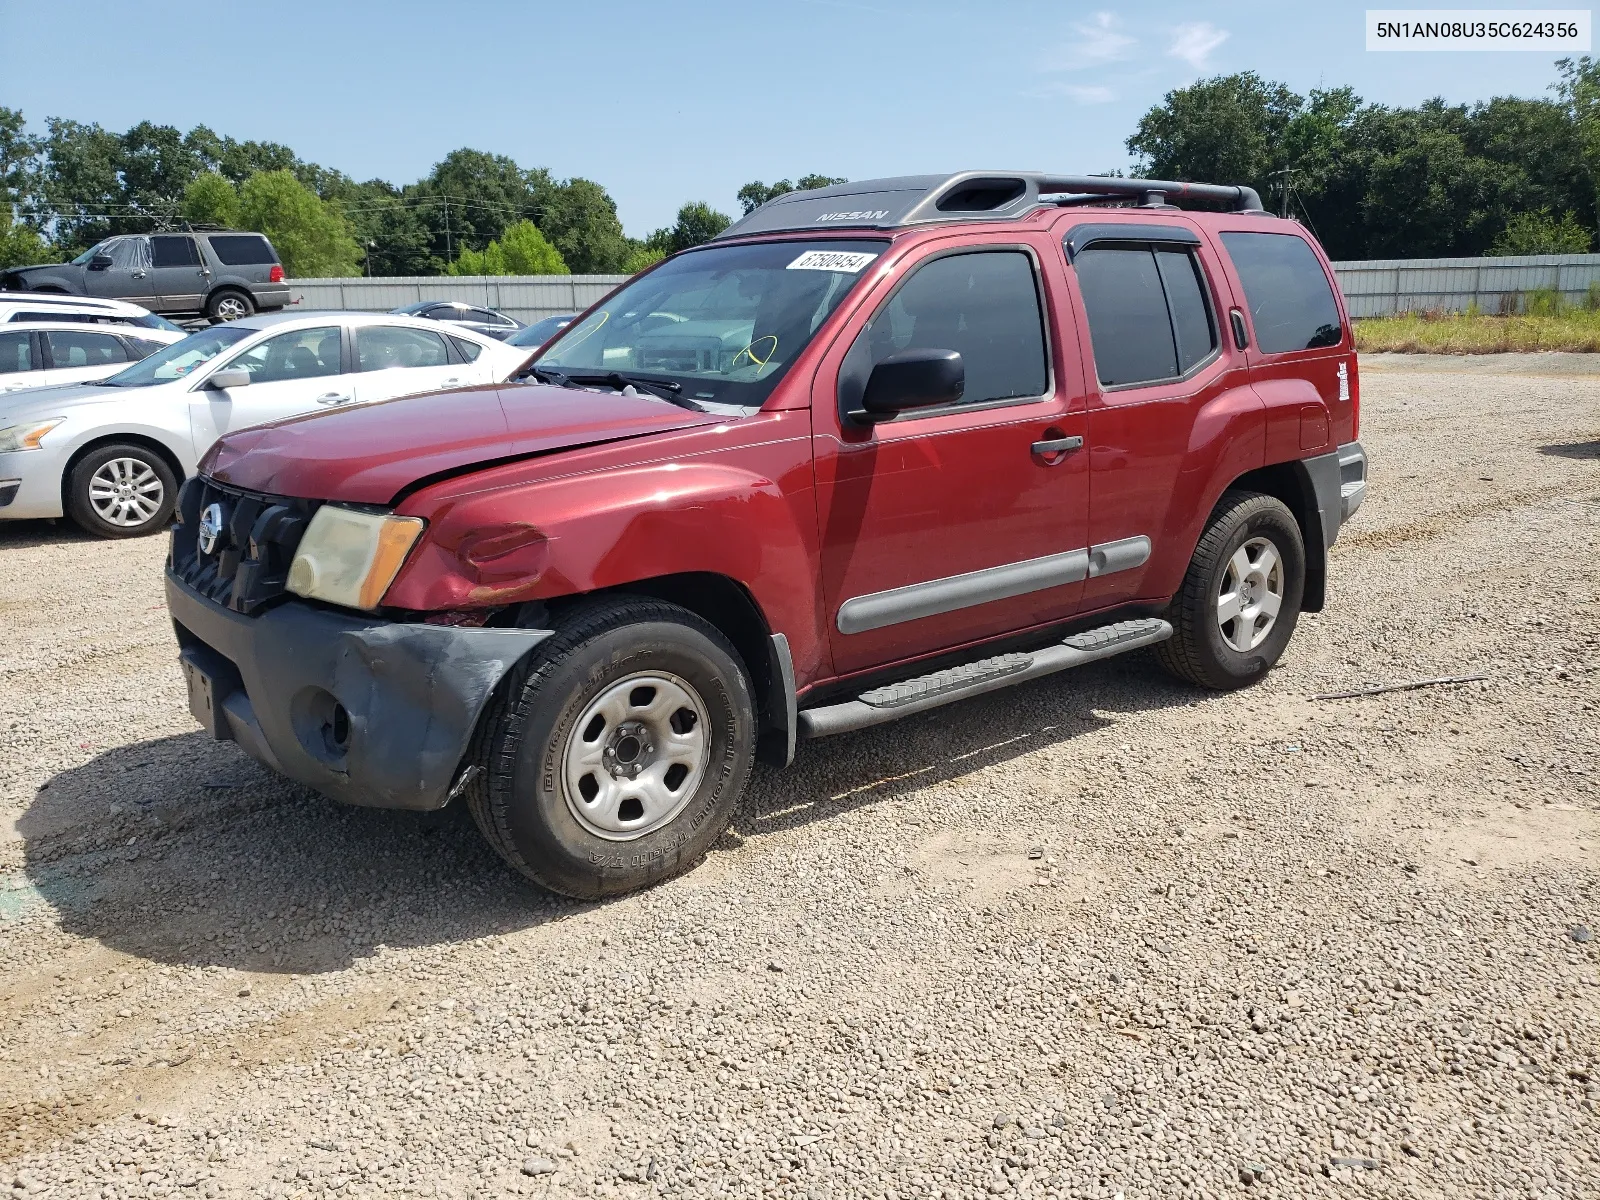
1097	936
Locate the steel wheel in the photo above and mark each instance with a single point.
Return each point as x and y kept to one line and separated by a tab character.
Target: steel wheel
1251	594
126	492
229	308
635	756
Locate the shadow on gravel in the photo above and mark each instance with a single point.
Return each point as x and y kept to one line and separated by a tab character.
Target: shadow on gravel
1573	450
183	851
17	535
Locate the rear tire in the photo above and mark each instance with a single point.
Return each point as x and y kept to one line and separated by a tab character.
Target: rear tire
617	754
227	304
1240	599
121	490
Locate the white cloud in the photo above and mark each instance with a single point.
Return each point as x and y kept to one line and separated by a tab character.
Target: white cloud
1082	93
1095	42
1193	42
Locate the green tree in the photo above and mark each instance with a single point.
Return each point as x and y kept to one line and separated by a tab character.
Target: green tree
1538	232
20	245
210	199
527	252
580	219
641	256
1224	130
78	182
754	194
491	260
311	234
155	167
697	224
471	198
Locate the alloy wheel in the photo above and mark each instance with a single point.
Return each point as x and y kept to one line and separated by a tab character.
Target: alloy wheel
126	492
1250	595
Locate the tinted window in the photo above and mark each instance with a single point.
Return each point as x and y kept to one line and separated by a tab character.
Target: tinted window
1192	325
143	349
1291	305
303	354
75	349
379	347
16	353
170	251
1128	323
539	332
986	307
469	350
242	249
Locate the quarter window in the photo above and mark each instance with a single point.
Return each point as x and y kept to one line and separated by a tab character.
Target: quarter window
242	250
171	251
75	349
303	354
1149	318
984	305
469	351
379	347
1291	305
16	353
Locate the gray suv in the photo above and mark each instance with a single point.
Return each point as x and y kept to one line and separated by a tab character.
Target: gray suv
223	275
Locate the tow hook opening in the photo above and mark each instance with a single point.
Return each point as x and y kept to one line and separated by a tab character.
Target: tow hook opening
322	726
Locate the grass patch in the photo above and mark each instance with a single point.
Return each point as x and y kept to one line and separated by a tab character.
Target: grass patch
1475	333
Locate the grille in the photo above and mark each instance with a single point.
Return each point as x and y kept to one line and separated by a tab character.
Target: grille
248	562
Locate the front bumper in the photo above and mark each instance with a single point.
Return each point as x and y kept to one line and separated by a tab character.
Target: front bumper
32	480
366	711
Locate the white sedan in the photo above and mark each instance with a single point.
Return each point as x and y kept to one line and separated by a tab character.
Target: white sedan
111	454
44	353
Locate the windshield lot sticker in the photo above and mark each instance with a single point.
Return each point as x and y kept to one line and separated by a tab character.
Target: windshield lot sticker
831	260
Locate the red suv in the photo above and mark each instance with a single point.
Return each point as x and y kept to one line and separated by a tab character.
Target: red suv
877	448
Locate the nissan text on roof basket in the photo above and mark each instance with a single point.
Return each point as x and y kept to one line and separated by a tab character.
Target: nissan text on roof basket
874	450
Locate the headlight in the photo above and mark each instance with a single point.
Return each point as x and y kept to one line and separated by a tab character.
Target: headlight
26	436
351	558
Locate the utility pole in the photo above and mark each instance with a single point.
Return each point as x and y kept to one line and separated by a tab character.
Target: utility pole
449	254
1285	175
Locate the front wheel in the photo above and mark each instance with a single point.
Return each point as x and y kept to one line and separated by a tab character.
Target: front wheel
121	490
1240	599
617	756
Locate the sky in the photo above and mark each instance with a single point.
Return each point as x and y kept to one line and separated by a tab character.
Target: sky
668	102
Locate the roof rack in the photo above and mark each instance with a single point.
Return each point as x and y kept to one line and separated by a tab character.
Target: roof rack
971	196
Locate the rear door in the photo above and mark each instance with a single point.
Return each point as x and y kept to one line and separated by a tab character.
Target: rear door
81	355
399	360
177	273
19	361
290	373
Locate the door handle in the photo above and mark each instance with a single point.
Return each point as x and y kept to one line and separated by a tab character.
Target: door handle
452	383
1059	445
332	398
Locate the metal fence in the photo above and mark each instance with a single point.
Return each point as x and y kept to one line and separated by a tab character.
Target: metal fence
525	297
1374	288
1383	287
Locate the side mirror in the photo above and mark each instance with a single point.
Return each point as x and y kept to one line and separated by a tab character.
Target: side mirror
232	377
918	378
99	262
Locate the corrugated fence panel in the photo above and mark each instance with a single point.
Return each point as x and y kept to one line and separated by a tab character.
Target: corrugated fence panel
1381	287
525	297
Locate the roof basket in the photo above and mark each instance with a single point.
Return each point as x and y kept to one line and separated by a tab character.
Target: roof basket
970	196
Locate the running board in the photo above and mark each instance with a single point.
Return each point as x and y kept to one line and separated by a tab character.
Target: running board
898	700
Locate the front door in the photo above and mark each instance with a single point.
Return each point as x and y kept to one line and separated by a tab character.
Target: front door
290	374
178	277
128	276
943	527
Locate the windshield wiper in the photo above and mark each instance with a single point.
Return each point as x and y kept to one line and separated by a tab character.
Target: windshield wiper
549	375
661	388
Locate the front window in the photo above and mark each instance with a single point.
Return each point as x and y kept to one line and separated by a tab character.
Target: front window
125	252
302	354
723	324
180	358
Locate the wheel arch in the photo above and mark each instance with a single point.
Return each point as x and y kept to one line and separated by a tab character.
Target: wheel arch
100	441
1291	483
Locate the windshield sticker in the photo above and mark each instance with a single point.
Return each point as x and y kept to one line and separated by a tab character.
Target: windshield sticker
831	260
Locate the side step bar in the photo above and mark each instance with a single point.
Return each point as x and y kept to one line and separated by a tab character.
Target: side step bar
974	679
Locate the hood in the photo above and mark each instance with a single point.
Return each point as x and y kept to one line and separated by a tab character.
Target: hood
370	453
17	274
57	400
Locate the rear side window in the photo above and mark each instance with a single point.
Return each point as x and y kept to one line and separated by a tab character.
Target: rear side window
1291	305
985	306
16	353
1149	319
242	250
170	251
469	350
379	347
74	349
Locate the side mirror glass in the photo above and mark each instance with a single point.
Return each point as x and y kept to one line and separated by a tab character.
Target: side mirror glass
920	378
230	377
99	262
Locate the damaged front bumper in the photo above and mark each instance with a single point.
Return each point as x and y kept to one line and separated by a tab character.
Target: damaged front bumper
366	711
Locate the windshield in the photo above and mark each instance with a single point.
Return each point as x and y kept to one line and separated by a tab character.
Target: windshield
151	321
724	323
180	358
539	332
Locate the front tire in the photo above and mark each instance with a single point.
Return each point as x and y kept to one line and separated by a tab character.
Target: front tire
1240	599
228	305
121	490
617	755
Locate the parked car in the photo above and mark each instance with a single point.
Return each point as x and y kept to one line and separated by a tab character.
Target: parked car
541	331
111	454
54	306
874	449
223	275
479	320
43	353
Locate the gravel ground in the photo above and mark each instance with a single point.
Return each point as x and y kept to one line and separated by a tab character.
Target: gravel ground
1097	936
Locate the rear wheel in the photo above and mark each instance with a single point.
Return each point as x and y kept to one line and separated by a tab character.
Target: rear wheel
617	755
1241	597
229	305
121	490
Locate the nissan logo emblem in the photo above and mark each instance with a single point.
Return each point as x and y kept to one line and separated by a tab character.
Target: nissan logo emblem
210	527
